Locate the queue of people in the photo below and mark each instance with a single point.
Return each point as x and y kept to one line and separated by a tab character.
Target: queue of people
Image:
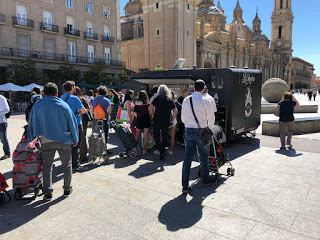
61	125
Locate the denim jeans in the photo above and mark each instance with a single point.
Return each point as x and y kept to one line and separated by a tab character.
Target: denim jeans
161	145
193	138
48	151
4	139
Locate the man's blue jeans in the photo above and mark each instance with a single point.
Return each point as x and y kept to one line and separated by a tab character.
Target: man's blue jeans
4	139
193	138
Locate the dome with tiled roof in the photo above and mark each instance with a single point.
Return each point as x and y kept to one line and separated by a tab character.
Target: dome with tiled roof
238	7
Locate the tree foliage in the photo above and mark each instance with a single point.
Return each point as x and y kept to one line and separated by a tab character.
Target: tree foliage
64	73
96	74
125	76
24	72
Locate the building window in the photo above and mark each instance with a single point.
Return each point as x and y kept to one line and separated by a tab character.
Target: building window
106	12
70	24
72	51
188	6
22	15
47	20
69	3
158	32
157	5
23	45
49	48
107	55
90	53
187	33
106	31
280	32
89	28
281	4
135	33
89	6
140	32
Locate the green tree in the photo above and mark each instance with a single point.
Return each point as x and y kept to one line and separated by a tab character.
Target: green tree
125	75
96	74
64	73
24	72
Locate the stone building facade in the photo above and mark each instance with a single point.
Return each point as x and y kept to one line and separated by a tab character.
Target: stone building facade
197	31
302	73
52	32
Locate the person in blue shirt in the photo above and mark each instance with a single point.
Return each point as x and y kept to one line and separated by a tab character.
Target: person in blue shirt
78	109
37	96
106	106
52	120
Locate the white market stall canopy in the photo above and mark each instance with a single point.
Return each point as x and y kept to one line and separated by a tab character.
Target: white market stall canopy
32	85
12	87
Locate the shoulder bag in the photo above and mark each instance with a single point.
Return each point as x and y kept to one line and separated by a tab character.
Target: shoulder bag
206	132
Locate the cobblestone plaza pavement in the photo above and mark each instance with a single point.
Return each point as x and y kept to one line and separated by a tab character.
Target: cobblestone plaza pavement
273	195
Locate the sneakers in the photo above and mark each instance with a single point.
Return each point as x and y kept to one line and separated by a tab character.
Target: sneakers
66	193
186	190
170	153
47	197
212	180
80	169
157	152
282	147
289	145
5	157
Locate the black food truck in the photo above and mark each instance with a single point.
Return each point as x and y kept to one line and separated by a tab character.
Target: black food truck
237	93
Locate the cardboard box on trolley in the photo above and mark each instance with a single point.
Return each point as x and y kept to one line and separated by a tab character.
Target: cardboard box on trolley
237	93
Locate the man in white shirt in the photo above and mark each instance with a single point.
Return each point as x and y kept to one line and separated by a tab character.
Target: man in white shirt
4	108
211	100
193	136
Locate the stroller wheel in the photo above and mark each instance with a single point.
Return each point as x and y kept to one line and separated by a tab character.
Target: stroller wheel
133	153
232	171
227	157
121	154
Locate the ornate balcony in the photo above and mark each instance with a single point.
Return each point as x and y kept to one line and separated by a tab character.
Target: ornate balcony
23	22
91	36
71	32
107	39
49	28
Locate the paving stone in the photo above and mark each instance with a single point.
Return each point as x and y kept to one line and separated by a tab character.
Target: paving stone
168	228
225	224
274	216
111	232
307	225
266	232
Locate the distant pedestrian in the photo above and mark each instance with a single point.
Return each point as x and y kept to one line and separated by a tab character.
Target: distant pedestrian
163	105
314	93
37	96
193	135
78	109
180	124
4	108
53	121
129	105
172	128
286	121
309	94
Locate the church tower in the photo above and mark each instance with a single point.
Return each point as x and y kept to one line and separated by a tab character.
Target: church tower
256	23
281	35
170	32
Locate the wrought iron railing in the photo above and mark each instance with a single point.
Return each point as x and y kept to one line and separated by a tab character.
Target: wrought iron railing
107	39
14	52
17	21
91	35
49	27
72	32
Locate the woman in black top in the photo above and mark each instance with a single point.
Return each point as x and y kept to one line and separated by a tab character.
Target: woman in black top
286	121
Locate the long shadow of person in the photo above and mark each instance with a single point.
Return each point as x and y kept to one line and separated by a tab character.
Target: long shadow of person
291	152
17	214
180	213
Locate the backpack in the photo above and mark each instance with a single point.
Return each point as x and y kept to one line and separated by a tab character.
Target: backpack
98	112
8	114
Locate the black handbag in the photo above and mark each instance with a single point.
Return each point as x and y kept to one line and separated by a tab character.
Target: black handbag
206	132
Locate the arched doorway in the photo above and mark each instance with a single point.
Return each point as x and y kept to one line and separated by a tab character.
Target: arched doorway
209	63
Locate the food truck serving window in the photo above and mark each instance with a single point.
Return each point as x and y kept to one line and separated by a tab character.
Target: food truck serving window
216	82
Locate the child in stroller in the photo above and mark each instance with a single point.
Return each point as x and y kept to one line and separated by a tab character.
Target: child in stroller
217	156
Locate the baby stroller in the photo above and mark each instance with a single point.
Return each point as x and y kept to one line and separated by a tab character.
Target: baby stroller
217	156
129	142
97	144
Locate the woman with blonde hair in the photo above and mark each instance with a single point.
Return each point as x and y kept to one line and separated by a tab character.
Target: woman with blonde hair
162	119
286	121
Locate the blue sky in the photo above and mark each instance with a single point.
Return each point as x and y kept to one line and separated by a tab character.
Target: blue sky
305	30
